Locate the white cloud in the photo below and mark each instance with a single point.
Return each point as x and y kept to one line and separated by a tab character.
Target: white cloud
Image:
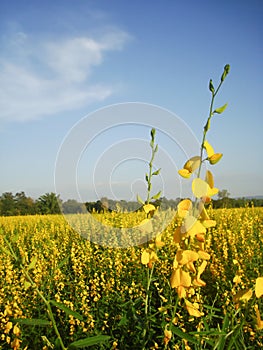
40	79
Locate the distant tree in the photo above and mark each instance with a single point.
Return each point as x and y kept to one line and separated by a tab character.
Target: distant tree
24	205
49	203
8	204
223	194
71	206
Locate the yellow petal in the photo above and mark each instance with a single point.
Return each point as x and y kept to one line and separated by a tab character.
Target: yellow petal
184	173
215	158
145	257
237	279
209	178
209	149
192	226
259	321
158	241
200	188
243	295
192	309
203	255
193	163
212	191
184	207
202	267
148	207
259	287
209	223
185	278
180	278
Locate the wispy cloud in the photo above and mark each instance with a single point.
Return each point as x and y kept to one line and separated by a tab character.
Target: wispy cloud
45	77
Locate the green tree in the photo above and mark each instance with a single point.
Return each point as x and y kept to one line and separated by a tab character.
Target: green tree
49	203
8	204
24	205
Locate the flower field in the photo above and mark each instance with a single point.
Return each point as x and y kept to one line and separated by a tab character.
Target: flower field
99	293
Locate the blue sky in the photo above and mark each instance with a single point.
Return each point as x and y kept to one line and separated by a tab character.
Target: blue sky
63	60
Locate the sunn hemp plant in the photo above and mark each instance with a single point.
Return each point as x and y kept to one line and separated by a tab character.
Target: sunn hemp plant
191	258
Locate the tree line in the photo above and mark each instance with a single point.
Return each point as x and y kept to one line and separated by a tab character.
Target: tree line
50	203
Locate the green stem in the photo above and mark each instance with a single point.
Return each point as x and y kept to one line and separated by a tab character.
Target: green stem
150	175
206	127
146	307
173	315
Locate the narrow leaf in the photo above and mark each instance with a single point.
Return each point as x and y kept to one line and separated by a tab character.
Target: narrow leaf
82	343
32	321
140	200
27	285
6	251
220	109
157	172
157	195
183	335
66	310
32	264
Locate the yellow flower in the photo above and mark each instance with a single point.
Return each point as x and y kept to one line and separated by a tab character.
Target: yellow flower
259	321
243	295
193	309
197	281
191	227
8	327
259	287
180	280
148	257
190	166
184	173
158	241
167	336
187	257
212	157
148	208
201	188
184	207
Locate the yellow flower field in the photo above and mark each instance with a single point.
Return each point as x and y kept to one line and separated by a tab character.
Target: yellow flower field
103	289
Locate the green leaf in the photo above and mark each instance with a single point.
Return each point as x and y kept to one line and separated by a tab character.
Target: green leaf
140	200
157	172
82	343
220	109
123	321
32	321
27	285
66	309
63	262
32	264
211	86
14	238
157	195
6	251
183	335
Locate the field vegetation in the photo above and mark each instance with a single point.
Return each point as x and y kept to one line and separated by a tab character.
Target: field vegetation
184	278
